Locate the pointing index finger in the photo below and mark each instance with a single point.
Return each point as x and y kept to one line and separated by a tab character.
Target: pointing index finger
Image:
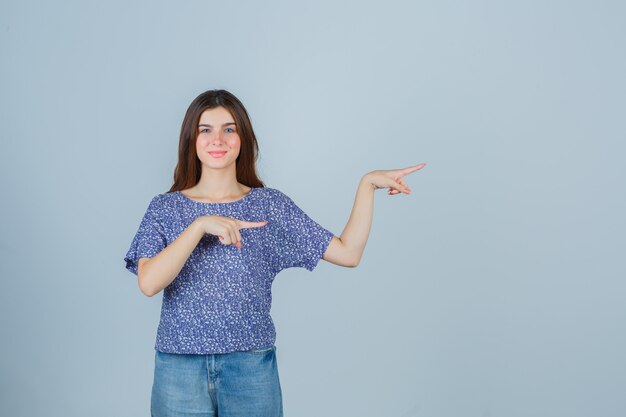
414	168
245	224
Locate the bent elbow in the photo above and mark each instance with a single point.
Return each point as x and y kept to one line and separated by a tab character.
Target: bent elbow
143	280
145	289
354	262
147	293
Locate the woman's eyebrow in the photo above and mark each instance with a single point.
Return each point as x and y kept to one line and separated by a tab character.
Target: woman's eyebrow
225	124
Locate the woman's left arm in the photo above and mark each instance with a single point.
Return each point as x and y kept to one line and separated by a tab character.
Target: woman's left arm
347	249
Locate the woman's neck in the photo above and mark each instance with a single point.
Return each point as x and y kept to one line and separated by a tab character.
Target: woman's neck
217	185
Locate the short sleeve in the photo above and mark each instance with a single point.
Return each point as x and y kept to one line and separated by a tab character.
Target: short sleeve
299	241
150	237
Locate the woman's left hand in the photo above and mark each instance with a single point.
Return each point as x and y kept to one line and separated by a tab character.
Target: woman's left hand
392	179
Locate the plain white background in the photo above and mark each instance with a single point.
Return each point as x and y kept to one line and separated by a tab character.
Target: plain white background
495	289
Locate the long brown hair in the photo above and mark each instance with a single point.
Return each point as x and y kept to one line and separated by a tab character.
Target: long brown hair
189	168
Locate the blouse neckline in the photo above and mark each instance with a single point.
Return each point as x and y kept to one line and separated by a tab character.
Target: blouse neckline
184	197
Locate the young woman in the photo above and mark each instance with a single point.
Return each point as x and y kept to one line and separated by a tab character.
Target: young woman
214	243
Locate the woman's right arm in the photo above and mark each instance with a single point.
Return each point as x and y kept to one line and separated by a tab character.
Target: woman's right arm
158	272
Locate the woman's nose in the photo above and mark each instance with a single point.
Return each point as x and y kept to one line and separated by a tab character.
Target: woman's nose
217	138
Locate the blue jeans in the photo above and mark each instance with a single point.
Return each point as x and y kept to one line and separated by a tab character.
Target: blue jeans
238	384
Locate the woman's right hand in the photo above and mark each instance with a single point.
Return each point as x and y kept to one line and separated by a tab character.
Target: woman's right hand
226	228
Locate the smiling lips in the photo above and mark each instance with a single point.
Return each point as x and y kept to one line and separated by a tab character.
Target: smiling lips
217	154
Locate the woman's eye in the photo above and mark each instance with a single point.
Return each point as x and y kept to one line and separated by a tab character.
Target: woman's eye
204	130
230	130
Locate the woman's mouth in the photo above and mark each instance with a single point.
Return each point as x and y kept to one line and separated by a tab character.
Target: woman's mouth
217	154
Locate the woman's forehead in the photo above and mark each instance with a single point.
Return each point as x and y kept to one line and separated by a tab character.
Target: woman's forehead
216	116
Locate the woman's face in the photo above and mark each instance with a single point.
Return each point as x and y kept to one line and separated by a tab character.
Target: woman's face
218	141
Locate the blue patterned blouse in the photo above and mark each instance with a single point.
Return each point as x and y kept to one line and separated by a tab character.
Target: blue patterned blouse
220	301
